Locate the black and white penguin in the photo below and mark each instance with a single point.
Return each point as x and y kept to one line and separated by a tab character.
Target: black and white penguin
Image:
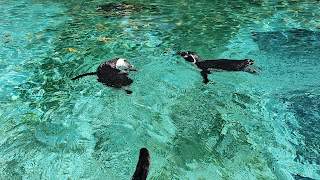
142	168
113	73
220	64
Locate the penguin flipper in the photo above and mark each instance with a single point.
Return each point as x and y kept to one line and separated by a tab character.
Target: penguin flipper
82	75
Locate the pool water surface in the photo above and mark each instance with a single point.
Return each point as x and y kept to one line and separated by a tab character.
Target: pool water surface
238	126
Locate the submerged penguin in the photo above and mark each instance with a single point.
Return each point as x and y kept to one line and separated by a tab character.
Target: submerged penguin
220	64
143	165
113	73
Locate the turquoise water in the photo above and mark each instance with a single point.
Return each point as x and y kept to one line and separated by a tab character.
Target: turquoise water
239	126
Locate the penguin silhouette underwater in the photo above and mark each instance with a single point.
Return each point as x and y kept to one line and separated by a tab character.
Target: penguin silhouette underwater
143	165
220	64
113	73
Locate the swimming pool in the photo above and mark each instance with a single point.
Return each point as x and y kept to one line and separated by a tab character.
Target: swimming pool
239	126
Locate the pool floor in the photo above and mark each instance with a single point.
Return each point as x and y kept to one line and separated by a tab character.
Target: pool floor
238	126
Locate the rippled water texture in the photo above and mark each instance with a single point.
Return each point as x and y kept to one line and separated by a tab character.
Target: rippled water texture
238	126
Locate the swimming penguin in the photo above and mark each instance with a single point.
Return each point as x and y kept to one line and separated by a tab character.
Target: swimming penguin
143	165
220	64
113	73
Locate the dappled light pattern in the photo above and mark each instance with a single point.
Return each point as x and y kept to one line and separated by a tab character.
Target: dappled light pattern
238	126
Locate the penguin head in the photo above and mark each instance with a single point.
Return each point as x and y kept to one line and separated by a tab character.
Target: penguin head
123	64
190	56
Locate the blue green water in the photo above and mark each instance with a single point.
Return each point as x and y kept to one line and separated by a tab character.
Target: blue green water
239	126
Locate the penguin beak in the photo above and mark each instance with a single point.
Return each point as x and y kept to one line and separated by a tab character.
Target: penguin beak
132	68
183	54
